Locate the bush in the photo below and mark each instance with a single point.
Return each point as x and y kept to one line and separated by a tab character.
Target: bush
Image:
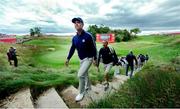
118	38
155	86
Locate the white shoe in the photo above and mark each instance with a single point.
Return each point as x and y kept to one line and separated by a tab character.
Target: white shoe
79	97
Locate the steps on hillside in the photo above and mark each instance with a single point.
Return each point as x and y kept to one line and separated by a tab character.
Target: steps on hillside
50	99
71	92
98	89
21	99
89	97
115	85
69	95
95	94
121	78
134	72
118	80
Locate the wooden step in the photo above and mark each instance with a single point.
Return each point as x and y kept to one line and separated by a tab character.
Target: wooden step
21	99
50	99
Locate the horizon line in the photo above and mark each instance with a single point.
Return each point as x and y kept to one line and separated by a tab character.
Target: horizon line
143	32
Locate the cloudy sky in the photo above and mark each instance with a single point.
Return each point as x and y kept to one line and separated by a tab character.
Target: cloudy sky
54	16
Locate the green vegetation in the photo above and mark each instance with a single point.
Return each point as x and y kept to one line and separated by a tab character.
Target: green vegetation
35	31
94	29
154	86
41	64
158	84
120	35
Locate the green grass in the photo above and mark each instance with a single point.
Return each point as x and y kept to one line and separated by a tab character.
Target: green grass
40	67
158	84
154	86
15	78
155	46
55	58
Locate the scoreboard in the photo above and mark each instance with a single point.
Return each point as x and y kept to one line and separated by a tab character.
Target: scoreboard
105	37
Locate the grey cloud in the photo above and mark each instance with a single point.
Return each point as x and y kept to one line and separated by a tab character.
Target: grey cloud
13	30
55	29
90	8
166	16
24	21
107	1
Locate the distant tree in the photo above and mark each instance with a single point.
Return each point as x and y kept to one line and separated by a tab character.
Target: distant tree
126	35
118	34
94	29
135	31
104	29
35	31
32	33
118	38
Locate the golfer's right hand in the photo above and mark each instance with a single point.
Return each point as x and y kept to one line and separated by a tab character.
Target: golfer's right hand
67	63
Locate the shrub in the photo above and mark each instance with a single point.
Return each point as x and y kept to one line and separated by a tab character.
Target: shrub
155	86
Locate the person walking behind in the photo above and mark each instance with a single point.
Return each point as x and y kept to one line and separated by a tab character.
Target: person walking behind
12	56
130	59
141	60
120	63
86	49
146	58
109	58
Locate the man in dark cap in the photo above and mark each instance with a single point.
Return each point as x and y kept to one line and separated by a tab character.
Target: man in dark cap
85	45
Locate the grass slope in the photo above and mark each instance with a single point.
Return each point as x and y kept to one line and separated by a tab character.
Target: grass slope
40	66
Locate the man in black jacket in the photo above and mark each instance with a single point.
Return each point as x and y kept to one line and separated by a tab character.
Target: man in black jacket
12	56
109	58
130	59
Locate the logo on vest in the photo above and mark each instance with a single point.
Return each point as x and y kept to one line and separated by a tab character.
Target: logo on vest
83	40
